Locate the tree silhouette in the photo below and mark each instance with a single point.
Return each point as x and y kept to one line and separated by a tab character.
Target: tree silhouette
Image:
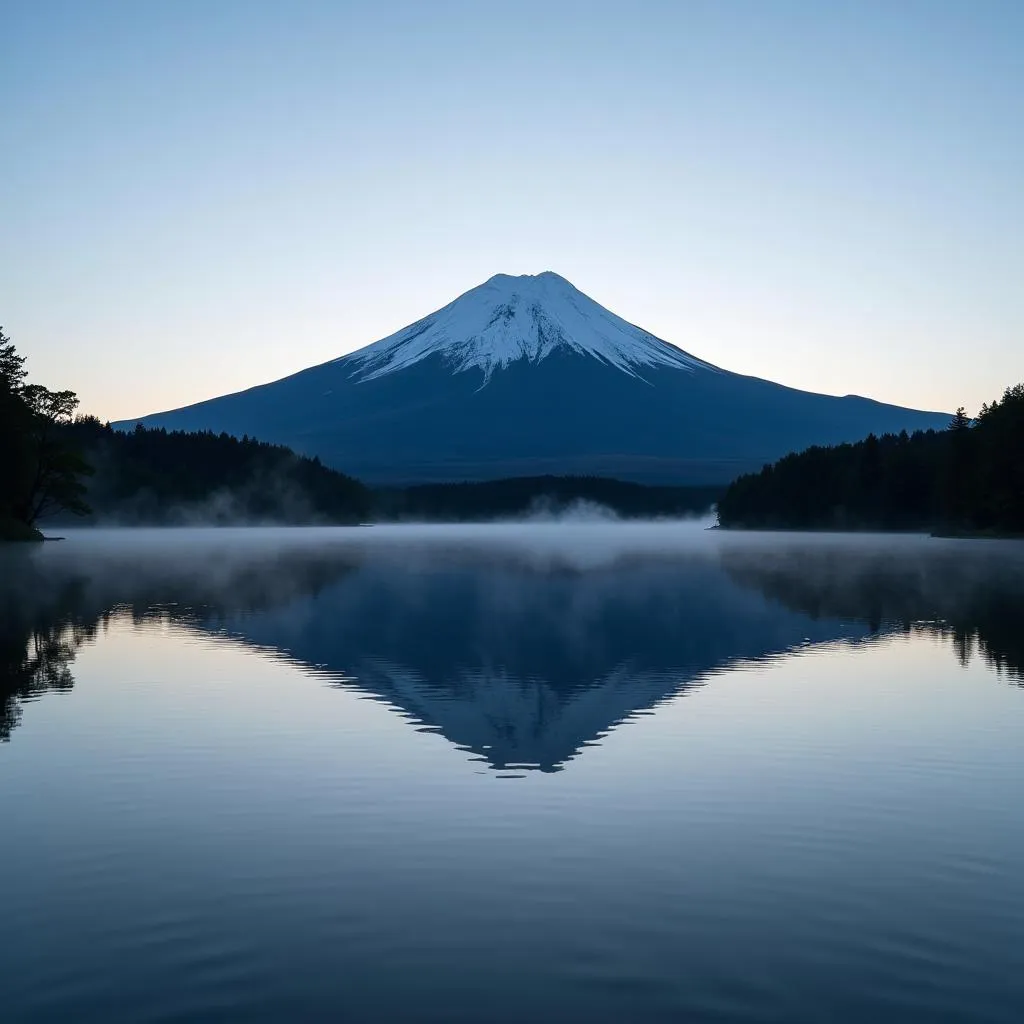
40	470
57	467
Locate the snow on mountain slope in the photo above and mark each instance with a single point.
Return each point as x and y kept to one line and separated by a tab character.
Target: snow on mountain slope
511	318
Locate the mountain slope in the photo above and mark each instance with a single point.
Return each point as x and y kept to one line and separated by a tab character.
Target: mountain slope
525	376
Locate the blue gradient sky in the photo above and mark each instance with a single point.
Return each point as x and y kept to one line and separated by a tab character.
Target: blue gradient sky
201	196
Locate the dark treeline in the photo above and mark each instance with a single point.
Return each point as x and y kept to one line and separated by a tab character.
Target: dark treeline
161	477
967	479
540	495
155	477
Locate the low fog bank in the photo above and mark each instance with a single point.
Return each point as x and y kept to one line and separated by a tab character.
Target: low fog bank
935	572
584	534
288	506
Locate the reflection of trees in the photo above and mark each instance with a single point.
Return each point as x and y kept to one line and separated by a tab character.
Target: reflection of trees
47	611
37	646
974	598
995	630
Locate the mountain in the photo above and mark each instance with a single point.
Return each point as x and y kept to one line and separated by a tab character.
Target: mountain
525	376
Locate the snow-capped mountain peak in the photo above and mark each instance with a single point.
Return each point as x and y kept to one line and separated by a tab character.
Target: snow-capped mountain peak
507	319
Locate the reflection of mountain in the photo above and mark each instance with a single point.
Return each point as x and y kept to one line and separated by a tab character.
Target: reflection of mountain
525	665
522	661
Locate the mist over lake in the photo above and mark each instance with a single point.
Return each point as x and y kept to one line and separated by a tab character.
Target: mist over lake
557	772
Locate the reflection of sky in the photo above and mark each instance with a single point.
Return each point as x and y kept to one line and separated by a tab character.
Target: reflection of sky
199	824
159	690
168	721
823	194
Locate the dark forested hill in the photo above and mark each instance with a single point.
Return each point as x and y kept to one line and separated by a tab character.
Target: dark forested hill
156	476
160	477
969	479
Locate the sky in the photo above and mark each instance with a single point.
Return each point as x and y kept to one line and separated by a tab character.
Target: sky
203	195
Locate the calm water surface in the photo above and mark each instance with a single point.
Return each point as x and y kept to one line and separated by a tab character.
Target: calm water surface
521	773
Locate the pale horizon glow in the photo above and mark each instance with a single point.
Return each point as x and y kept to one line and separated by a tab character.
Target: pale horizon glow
198	198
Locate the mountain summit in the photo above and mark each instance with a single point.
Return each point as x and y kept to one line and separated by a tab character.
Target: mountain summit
523	376
510	318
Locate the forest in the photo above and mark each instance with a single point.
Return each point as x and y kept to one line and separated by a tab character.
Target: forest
158	477
966	480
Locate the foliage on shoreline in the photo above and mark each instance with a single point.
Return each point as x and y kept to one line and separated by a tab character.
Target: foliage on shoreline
968	479
40	473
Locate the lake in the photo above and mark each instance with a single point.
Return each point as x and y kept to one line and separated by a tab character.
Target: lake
527	772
